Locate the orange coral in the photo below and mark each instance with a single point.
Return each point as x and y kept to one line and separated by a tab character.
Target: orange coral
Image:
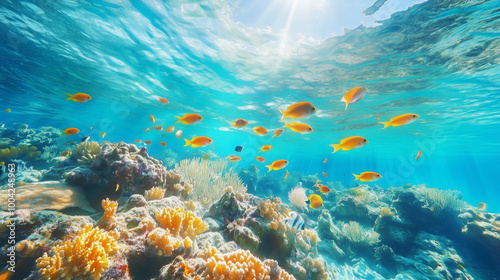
164	243
84	257
155	193
109	207
180	223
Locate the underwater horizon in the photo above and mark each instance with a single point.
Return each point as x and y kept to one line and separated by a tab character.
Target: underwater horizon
227	60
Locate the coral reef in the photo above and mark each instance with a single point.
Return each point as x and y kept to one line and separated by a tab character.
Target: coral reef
85	152
155	193
23	151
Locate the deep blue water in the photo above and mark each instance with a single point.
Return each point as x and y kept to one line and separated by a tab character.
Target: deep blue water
438	59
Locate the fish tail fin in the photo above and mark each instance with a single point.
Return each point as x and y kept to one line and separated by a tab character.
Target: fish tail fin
188	142
357	176
270	167
336	147
70	97
287	124
386	124
285	114
233	124
179	119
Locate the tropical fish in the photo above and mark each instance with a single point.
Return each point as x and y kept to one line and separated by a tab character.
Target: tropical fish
378	116
199	141
152	118
353	95
79	97
170	129
322	188
401	120
146	130
85	139
138	141
325	161
277	165
71	131
260	159
266	148
163	143
298	110
296	221
103	134
286	174
481	206
239	149
189	119
147	142
117	187
315	201
163	100
278	132
324	174
158	127
260	130
91	128
8	110
233	158
349	143
418	155
239	123
65	153
178	133
205	156
367	176
299	127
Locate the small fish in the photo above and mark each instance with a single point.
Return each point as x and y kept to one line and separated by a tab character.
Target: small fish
103	134
233	158
278	132
205	156
432	208
378	116
152	118
8	110
418	155
315	201
401	120
277	165
481	206
260	159
266	148
299	110
85	139
158	127
170	129
138	141
65	153
199	141
117	187
163	100
353	95
91	128
146	130
3	125
147	142
239	148
71	131
325	161
286	174
367	176
189	119
163	143
299	127
70	143
79	97
323	189
178	133
296	221
349	143
324	174
260	130
239	123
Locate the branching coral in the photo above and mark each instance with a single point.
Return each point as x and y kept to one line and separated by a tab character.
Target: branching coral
155	193
164	243
22	151
87	256
180	223
109	207
271	210
85	152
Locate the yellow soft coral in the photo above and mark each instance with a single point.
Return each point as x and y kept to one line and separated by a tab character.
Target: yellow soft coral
180	223
164	243
84	257
155	193
22	151
109	207
271	210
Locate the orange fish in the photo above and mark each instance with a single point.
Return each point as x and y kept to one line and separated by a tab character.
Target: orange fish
401	120
103	134
260	130
91	128
367	176
286	174
349	143
239	123
418	155
261	159
178	133
378	116
315	201
79	97
163	143
71	131
324	174
278	132
233	158
189	119
353	95
163	100
322	188
299	110
325	161
138	141
8	110
147	129
266	148
277	165
170	129
152	118
299	127
200	141
158	127
147	142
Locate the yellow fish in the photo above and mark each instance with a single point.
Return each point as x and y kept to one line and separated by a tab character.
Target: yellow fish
401	120
349	143
117	187
299	127
260	130
261	159
315	201
353	95
239	123
200	141
286	174
189	119
278	132
79	97
8	110
266	148
367	176
277	165
152	118
103	134
299	110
